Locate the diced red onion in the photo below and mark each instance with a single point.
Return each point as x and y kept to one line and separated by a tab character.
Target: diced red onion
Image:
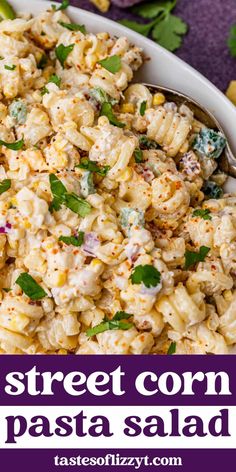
91	243
5	229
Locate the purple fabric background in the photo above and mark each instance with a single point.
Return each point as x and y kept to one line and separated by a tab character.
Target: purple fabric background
205	45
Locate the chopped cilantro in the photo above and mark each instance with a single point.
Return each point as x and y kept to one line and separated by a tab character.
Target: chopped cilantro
146	143
10	67
112	64
172	348
73	27
62	52
13	146
5	185
63	6
143	108
93	167
30	287
204	214
147	274
70	200
106	110
74	240
115	323
138	155
192	258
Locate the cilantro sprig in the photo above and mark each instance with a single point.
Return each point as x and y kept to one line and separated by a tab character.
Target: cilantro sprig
111	63
172	348
204	214
115	323
30	287
138	155
232	41
73	240
166	29
73	27
93	167
70	200
5	185
62	52
146	274
63	6
10	67
16	146
143	107
192	258
107	111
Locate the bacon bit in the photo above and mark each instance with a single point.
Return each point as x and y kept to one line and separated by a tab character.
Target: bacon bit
54	251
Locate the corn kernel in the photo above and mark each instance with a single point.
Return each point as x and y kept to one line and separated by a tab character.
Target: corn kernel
14	201
102	5
126	175
95	262
62	352
49	246
231	91
127	108
26	224
228	295
158	99
61	279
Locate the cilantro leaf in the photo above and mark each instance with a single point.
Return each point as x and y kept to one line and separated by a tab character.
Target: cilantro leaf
143	108
62	52
231	42
192	258
55	79
44	90
152	10
74	240
30	287
77	205
58	190
112	63
143	29
106	110
204	214
70	200
138	155
115	323
73	26
63	6
13	146
10	67
5	185
93	167
147	274
172	348
146	143
168	32
121	315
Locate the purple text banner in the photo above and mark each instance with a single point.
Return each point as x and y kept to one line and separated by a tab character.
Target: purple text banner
117	380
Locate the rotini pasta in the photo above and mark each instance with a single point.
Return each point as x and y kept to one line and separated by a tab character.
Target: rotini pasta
115	235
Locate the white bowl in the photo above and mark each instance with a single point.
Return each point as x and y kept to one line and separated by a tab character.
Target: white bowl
164	68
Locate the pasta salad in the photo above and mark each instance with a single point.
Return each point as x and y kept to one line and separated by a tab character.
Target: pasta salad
115	234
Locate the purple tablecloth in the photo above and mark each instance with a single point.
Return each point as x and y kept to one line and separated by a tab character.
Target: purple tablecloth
204	46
